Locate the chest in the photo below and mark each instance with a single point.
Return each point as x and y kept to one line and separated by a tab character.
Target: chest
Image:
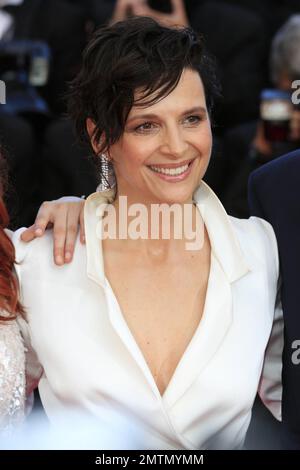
223	358
162	305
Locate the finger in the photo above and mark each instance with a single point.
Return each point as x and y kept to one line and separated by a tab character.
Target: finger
73	217
29	234
82	229
43	218
59	235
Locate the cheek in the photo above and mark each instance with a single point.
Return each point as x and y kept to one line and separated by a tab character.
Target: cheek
207	133
134	152
208	140
203	141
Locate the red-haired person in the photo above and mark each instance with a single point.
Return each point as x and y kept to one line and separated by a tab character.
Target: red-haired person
12	356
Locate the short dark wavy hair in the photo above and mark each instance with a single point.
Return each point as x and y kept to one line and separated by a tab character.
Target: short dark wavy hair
136	54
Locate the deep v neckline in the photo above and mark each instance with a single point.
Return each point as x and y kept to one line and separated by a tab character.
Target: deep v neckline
227	265
130	341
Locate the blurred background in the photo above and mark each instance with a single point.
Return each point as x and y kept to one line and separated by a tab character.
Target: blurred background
256	44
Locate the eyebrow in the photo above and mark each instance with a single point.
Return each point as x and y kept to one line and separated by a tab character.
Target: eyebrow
196	109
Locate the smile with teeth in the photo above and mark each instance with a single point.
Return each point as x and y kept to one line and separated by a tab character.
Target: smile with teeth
170	171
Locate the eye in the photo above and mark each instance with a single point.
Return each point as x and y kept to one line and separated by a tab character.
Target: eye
145	128
193	120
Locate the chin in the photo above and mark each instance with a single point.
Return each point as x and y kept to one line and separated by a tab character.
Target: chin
177	197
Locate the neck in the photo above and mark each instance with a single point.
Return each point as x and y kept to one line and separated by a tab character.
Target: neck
155	229
145	199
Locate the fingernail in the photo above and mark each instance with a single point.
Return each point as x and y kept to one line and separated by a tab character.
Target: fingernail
38	231
59	259
68	256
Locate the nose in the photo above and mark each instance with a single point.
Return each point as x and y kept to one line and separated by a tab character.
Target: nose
174	143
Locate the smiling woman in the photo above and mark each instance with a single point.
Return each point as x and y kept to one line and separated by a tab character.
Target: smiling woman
170	143
173	337
12	360
118	72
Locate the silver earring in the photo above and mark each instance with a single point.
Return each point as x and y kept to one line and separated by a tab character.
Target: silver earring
107	174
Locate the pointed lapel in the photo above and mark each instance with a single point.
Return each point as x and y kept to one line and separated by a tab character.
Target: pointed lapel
120	326
95	271
211	331
223	239
228	264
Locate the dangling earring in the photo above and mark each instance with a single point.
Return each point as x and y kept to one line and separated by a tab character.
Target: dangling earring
107	174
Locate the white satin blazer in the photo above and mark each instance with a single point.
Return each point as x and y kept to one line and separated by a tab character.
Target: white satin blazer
86	356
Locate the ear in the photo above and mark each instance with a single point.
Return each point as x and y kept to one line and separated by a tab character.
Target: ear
90	127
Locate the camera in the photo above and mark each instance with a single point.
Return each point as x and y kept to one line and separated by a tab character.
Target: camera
28	58
24	66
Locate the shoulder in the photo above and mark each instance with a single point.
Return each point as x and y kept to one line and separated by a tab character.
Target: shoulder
36	252
281	171
23	250
274	187
258	242
251	241
12	360
10	339
35	260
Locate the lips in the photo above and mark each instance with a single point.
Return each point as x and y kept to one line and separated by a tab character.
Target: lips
171	169
173	172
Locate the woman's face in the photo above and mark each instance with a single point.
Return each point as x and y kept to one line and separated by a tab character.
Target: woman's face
165	148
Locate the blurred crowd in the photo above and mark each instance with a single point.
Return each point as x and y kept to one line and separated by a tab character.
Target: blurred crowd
256	46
